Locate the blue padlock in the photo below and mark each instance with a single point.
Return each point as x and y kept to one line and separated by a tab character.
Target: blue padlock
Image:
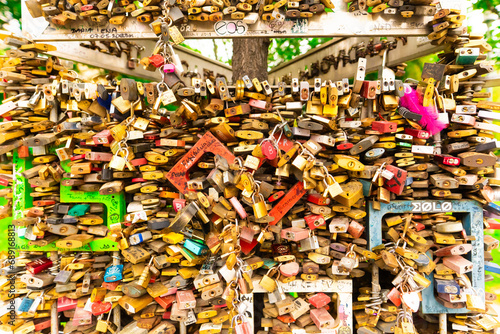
25	305
195	246
268	264
409	180
447	286
493	208
113	273
367	184
104	103
422	260
492	267
467	56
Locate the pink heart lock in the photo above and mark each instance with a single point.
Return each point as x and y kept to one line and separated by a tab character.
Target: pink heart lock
289	269
99	308
411	300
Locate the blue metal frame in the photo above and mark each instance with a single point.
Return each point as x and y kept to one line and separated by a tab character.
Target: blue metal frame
473	225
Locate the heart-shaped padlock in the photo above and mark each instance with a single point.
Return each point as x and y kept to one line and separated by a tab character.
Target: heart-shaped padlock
411	300
99	308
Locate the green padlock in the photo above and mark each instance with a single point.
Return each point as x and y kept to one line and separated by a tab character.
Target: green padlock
79	210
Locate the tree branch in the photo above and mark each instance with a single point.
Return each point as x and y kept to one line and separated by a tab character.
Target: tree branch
492	7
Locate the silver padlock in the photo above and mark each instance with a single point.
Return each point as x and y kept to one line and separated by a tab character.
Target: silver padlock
308	244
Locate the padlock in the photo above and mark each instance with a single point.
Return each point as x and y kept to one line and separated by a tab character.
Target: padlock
309	244
259	206
268	283
321	318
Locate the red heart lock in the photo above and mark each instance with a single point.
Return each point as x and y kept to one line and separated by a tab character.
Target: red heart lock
268	150
99	308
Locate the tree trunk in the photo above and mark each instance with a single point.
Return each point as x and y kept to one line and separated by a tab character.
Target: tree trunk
250	58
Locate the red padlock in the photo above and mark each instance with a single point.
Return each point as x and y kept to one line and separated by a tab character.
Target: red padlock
157	60
99	308
369	89
394	296
284	143
384	126
103	137
447	160
287	319
39	265
318	199
397	183
153	136
319	300
77	157
247	247
65	304
23	152
421	134
268	150
344	146
41	323
315	221
139	162
165	301
111	285
287	202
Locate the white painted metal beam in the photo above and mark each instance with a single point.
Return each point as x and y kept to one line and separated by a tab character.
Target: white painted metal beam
197	62
416	47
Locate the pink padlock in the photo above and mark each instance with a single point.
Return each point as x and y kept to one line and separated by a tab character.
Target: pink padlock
178	204
169	68
458	263
246	233
243	327
185	299
268	150
65	304
319	300
290	269
260	104
85	8
355	229
322	319
238	207
82	317
294	233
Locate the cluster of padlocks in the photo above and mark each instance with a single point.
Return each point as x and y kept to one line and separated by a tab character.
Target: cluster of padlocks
211	198
251	11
